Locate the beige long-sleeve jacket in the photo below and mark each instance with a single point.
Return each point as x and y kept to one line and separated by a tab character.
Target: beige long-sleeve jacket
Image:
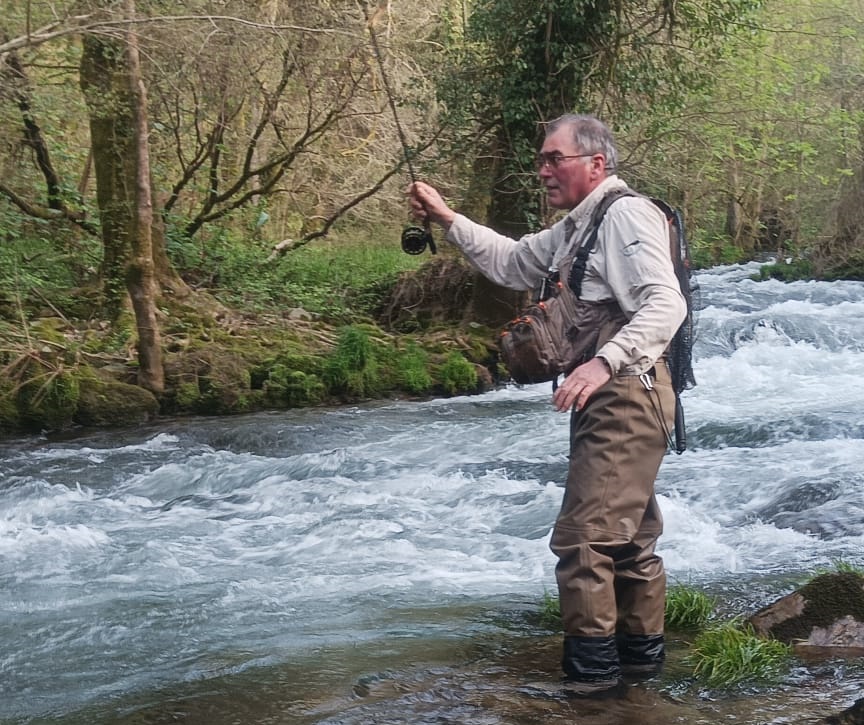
630	264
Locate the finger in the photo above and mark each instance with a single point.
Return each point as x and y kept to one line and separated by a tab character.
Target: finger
564	398
584	395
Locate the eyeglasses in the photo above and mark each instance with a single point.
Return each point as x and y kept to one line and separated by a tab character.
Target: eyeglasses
554	160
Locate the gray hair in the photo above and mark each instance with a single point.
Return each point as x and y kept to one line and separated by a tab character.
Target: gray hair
589	134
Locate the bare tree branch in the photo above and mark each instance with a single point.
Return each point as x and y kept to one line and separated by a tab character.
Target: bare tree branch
287	245
77	24
43	212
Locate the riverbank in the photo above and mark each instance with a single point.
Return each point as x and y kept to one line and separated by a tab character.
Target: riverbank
63	373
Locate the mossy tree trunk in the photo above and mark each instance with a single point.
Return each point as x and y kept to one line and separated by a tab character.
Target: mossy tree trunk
140	277
117	103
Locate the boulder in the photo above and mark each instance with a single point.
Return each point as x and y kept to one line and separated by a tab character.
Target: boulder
826	616
110	403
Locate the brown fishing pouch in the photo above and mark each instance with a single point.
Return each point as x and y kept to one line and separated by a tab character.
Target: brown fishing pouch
533	345
556	333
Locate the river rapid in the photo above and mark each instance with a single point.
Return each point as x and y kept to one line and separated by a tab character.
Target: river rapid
385	563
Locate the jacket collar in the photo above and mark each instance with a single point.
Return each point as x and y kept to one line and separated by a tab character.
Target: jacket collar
577	219
585	208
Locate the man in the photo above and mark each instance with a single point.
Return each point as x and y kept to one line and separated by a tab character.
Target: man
611	583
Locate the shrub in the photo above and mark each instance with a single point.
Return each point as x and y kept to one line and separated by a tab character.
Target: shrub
352	367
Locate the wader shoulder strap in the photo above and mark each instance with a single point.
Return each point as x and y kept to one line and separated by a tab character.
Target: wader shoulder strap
580	260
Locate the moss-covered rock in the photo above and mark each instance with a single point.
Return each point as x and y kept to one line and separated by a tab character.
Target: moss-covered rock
48	399
285	387
853	715
457	375
828	612
352	370
208	381
110	404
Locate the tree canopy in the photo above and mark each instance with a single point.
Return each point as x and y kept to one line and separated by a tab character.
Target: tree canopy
200	145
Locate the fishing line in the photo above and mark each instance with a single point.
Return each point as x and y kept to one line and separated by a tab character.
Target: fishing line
414	239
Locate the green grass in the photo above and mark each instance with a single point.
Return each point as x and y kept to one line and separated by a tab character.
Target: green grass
550	611
413	369
731	654
687	608
335	277
352	369
843	567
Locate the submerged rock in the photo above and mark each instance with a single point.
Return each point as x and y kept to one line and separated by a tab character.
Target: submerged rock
851	716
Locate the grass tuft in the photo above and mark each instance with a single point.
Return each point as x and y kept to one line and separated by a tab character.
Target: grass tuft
550	611
687	608
731	654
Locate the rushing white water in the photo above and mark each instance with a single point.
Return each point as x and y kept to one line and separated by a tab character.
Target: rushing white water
131	562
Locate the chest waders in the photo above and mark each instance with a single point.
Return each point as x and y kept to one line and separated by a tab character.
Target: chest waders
611	583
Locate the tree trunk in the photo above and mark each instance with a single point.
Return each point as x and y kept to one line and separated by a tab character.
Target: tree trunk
490	303
733	205
106	91
140	280
117	105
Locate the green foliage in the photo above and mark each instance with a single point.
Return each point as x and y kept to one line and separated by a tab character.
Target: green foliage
524	62
770	179
731	654
41	261
352	368
787	271
730	254
840	566
48	399
687	608
851	266
292	388
338	278
9	418
550	611
413	369
457	375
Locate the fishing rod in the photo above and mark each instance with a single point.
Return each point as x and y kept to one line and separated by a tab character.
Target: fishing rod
414	239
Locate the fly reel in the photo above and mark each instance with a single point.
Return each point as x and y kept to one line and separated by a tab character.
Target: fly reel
416	239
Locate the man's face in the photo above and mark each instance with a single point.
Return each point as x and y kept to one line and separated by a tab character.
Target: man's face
572	179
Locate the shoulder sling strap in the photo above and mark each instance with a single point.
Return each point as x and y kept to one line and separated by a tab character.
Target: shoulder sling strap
577	270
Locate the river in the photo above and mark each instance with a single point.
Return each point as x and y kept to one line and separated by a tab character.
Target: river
385	563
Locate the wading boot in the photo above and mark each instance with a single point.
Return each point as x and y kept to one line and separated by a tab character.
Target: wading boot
591	667
641	655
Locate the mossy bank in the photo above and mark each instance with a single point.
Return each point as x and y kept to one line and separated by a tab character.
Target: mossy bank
61	373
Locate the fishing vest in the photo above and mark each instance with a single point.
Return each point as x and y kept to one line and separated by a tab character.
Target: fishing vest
558	331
